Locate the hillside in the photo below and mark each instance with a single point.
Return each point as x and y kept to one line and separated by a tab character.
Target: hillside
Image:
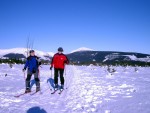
84	56
107	57
19	53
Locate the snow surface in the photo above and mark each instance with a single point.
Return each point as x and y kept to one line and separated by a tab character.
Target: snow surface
82	49
111	57
90	89
131	57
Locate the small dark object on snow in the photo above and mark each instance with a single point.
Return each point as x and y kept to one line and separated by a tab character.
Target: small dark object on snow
5	75
136	69
10	65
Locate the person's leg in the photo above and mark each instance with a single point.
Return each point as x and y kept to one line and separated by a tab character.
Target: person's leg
29	74
37	80
56	77
61	71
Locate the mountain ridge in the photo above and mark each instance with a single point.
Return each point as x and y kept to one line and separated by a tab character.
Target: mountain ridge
81	56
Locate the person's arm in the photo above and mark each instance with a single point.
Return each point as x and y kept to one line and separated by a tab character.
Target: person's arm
67	60
38	61
52	63
26	64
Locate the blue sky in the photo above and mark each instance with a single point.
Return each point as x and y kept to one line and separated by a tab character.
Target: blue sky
105	25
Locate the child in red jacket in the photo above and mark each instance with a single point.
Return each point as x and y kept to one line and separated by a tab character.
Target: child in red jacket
58	62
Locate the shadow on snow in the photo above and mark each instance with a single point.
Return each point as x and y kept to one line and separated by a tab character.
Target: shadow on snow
36	110
51	82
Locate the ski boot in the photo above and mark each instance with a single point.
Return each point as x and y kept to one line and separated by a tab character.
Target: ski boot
27	90
37	89
56	87
62	87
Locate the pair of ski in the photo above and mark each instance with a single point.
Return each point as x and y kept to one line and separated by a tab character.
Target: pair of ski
17	96
56	91
22	94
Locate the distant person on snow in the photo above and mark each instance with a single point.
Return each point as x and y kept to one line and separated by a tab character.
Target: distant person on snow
58	62
32	64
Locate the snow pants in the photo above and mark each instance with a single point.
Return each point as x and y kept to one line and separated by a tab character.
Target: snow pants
59	72
36	77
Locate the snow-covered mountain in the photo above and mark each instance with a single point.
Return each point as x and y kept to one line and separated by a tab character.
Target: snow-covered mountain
82	49
82	55
22	52
107	57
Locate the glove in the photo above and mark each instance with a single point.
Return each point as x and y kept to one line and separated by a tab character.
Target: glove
51	68
65	62
24	70
40	63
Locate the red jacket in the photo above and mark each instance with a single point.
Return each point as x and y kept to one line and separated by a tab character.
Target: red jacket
59	61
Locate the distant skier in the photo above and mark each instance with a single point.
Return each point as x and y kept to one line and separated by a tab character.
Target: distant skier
58	61
32	64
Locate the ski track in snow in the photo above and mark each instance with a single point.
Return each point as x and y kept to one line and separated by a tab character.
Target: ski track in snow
90	89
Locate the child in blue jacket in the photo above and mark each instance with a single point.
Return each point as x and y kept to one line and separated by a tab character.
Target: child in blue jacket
32	64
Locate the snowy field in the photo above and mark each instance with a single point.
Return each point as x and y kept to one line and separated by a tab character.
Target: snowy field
90	89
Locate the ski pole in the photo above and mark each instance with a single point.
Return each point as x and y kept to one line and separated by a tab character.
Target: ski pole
66	78
24	75
65	69
51	74
39	74
39	79
49	82
51	79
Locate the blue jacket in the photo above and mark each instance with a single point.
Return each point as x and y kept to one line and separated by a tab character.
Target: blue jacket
32	63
